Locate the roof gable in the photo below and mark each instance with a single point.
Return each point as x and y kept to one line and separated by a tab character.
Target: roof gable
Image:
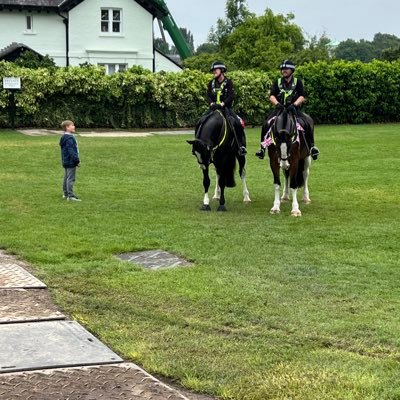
152	6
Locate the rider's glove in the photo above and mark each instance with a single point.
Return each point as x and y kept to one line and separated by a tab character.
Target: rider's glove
292	109
213	107
279	107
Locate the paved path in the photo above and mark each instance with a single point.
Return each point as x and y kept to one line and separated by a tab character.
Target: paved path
44	356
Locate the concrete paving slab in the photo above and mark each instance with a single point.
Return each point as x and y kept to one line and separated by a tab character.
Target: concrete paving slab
124	381
154	259
12	276
54	344
20	305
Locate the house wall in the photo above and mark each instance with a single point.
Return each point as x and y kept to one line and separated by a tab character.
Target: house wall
47	36
164	64
134	46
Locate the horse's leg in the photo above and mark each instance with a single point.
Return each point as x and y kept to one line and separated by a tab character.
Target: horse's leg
222	186
217	193
206	184
285	196
294	165
242	173
306	174
274	164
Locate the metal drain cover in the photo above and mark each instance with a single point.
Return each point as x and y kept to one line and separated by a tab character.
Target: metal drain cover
13	276
20	305
55	344
155	259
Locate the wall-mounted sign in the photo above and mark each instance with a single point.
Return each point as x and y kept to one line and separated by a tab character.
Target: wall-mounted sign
12	83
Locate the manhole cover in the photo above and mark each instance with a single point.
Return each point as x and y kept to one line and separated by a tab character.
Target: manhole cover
155	259
125	381
54	344
20	305
14	276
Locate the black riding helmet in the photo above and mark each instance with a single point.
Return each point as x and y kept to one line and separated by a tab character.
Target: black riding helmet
218	65
287	64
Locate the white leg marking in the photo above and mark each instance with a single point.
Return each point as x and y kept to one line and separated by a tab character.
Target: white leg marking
295	205
217	193
206	200
276	209
246	194
306	174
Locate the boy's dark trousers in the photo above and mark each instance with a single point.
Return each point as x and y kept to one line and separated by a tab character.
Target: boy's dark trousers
69	180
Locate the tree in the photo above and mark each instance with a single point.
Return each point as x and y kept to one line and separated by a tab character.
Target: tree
351	50
236	13
162	46
263	42
391	54
30	59
188	37
316	49
207	48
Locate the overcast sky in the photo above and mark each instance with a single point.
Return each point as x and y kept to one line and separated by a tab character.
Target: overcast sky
340	19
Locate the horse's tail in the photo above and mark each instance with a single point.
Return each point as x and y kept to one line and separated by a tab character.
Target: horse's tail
300	174
228	171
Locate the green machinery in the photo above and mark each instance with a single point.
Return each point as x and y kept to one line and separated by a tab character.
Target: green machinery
169	24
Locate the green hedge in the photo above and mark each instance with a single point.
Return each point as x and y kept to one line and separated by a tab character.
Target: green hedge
339	92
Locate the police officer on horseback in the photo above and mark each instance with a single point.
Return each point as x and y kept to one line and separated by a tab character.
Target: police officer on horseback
288	92
221	95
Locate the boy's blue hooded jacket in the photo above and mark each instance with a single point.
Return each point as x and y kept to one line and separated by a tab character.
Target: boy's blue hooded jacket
69	151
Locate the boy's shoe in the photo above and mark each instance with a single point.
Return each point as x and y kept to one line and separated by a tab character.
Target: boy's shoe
314	151
73	198
261	154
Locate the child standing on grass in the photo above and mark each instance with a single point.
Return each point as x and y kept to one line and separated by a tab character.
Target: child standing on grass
70	159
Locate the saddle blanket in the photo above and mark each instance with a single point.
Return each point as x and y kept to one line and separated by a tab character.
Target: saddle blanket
268	140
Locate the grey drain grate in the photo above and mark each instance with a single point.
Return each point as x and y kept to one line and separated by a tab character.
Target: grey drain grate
155	259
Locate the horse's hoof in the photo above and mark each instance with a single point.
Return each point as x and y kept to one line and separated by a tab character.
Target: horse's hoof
296	213
284	199
222	208
307	200
275	211
216	198
205	207
247	201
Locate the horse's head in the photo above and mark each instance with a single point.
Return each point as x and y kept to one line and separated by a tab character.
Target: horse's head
202	152
284	133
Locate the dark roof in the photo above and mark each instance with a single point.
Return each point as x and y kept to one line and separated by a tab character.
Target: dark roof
152	6
30	4
14	50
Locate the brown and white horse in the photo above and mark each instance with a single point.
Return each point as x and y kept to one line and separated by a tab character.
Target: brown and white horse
288	150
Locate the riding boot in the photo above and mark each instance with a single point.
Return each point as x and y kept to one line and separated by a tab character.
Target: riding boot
261	153
314	151
242	141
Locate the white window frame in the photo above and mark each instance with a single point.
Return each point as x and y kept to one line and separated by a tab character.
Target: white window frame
111	21
28	31
116	65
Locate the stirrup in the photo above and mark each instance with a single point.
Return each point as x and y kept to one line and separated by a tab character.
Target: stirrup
261	154
242	151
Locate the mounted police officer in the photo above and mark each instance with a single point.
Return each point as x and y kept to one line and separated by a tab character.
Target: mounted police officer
288	91
221	95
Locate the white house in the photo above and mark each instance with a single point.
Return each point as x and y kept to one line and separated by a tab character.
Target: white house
115	33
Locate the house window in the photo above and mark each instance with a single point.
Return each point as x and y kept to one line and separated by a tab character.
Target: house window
29	23
111	20
113	68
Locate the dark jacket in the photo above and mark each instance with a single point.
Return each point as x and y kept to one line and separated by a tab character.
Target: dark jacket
227	92
69	151
298	90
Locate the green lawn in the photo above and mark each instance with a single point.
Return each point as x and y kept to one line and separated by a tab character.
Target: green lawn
274	308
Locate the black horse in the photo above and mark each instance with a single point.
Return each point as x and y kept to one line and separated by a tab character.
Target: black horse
288	150
215	143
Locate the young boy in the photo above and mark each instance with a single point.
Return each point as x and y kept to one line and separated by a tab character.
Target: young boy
70	159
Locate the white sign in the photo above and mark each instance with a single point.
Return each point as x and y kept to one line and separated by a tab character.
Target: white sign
12	83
